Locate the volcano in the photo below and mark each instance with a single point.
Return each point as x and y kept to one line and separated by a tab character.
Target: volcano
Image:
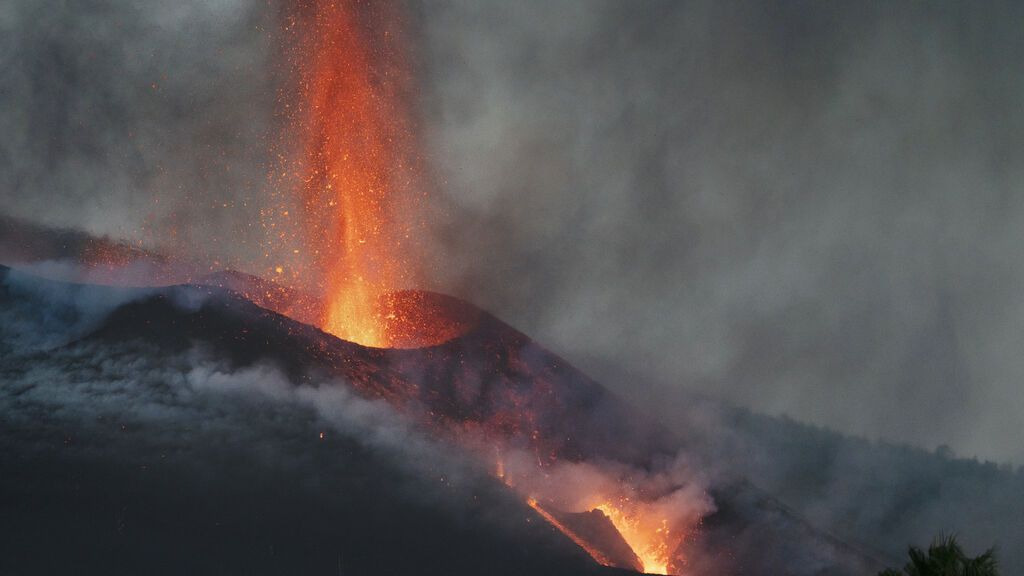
125	462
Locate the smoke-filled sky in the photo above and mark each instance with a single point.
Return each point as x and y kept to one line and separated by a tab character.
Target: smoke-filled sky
804	208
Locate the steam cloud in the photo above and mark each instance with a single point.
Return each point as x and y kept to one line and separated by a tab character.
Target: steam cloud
808	209
141	120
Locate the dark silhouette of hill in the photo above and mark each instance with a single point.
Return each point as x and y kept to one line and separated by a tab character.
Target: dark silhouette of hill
198	501
882	495
115	458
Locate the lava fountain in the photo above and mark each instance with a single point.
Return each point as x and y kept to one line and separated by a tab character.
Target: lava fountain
353	173
350	214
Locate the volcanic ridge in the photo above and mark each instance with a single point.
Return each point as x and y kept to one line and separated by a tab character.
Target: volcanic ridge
527	420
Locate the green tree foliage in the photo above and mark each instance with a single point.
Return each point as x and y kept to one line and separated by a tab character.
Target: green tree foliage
945	557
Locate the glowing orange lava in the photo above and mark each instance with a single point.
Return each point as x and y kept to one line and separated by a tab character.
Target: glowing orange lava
596	554
350	218
648	535
653	529
354	169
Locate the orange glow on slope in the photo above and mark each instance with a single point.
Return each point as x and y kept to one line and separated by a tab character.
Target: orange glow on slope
648	535
594	553
353	170
654	527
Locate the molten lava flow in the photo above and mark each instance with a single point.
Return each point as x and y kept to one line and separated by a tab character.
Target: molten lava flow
355	173
649	536
596	554
651	512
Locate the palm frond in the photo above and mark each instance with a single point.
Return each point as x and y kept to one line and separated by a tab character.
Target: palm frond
945	557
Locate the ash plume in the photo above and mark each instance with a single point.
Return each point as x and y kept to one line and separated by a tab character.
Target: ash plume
806	209
144	121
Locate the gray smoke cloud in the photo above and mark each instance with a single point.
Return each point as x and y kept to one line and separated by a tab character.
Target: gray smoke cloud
141	120
805	209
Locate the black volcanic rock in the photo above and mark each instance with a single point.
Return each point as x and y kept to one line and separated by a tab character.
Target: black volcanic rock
753	533
492	375
128	450
111	426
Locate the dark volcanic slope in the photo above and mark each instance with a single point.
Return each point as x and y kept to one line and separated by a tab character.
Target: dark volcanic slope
493	376
178	430
122	452
753	533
